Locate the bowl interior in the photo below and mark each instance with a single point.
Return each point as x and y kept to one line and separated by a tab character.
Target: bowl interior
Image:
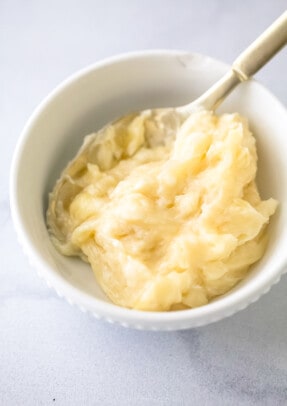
99	94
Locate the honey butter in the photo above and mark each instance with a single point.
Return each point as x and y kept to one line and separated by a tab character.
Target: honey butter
167	220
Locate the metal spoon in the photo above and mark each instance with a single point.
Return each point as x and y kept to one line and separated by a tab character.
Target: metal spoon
244	67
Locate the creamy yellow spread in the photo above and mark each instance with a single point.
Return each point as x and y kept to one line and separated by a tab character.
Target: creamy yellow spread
168	214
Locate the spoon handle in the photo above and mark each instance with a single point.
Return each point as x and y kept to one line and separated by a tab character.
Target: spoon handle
245	65
262	49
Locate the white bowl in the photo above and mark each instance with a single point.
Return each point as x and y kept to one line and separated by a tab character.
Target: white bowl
95	96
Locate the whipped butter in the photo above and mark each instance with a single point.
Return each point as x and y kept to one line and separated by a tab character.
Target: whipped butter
167	219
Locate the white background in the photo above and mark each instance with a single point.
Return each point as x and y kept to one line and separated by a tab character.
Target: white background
51	353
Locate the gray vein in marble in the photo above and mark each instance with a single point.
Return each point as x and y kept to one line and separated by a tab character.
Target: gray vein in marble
4	211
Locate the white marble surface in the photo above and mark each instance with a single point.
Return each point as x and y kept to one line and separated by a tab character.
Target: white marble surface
51	353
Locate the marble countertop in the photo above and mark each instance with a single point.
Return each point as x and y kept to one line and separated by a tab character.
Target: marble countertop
51	353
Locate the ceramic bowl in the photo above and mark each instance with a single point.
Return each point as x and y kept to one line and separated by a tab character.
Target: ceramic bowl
100	93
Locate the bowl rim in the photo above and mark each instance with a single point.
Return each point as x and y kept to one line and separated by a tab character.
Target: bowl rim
213	311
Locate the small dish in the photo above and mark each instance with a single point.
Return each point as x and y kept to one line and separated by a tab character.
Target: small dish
98	94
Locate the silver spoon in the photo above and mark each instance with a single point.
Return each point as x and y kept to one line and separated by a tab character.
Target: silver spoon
244	67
